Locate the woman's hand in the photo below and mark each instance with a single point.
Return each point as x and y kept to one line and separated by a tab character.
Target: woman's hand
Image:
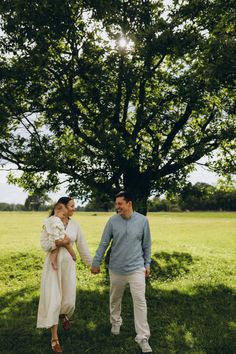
63	243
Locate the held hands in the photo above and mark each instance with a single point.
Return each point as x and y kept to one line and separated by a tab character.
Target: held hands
95	270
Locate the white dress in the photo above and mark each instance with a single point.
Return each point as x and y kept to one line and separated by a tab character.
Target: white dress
58	287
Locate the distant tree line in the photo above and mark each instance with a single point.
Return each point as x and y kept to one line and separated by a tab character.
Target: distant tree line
23	207
11	207
34	202
200	196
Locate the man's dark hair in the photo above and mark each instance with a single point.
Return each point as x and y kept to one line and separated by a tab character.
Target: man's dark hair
126	195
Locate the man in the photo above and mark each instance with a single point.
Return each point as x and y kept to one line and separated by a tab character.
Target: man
129	264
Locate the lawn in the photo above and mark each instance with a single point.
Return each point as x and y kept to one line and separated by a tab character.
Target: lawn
191	293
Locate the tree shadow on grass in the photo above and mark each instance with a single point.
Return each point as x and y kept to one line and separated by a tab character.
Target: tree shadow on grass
167	266
200	322
164	267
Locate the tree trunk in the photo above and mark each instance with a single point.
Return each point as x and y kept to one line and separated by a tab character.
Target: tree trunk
139	186
140	204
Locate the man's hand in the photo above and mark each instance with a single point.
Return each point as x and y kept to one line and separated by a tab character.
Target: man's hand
147	272
95	270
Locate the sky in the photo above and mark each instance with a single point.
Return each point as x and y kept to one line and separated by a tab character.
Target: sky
15	195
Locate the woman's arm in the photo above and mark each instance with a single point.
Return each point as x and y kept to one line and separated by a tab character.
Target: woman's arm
63	243
51	234
82	247
46	242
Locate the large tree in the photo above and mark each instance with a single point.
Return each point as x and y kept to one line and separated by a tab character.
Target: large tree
115	94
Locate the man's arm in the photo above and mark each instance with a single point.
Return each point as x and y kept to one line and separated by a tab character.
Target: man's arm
105	240
146	245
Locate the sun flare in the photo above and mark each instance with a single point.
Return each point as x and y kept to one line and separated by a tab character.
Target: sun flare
123	43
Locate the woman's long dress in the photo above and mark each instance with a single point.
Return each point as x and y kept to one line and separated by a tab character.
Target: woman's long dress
58	287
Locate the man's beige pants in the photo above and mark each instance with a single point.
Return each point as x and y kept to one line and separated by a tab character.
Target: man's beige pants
136	281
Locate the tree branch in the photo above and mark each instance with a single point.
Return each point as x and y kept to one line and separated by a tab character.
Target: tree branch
119	91
176	128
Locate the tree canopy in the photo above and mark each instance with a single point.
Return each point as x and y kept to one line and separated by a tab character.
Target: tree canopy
115	94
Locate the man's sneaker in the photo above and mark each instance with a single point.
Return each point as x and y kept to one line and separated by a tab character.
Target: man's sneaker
145	347
115	330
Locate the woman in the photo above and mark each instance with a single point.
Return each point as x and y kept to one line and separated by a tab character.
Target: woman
58	287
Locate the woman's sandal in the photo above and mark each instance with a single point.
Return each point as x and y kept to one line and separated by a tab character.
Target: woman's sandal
56	348
65	322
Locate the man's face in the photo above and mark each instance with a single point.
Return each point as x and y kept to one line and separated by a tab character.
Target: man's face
123	208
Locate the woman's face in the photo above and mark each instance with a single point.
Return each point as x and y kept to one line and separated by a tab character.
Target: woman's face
70	206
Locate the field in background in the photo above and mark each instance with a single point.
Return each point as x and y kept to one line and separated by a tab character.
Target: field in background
191	293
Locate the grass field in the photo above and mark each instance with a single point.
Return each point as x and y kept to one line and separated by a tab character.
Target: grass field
191	293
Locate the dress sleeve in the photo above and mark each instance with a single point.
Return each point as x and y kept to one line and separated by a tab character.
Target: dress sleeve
82	247
57	229
46	240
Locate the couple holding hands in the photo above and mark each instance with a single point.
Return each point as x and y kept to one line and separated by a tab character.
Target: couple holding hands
129	263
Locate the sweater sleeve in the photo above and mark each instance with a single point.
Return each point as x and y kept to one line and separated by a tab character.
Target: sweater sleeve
146	244
105	241
82	247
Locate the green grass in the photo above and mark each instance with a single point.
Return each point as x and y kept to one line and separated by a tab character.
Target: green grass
191	293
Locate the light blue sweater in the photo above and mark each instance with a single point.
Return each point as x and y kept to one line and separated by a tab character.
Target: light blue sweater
131	246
